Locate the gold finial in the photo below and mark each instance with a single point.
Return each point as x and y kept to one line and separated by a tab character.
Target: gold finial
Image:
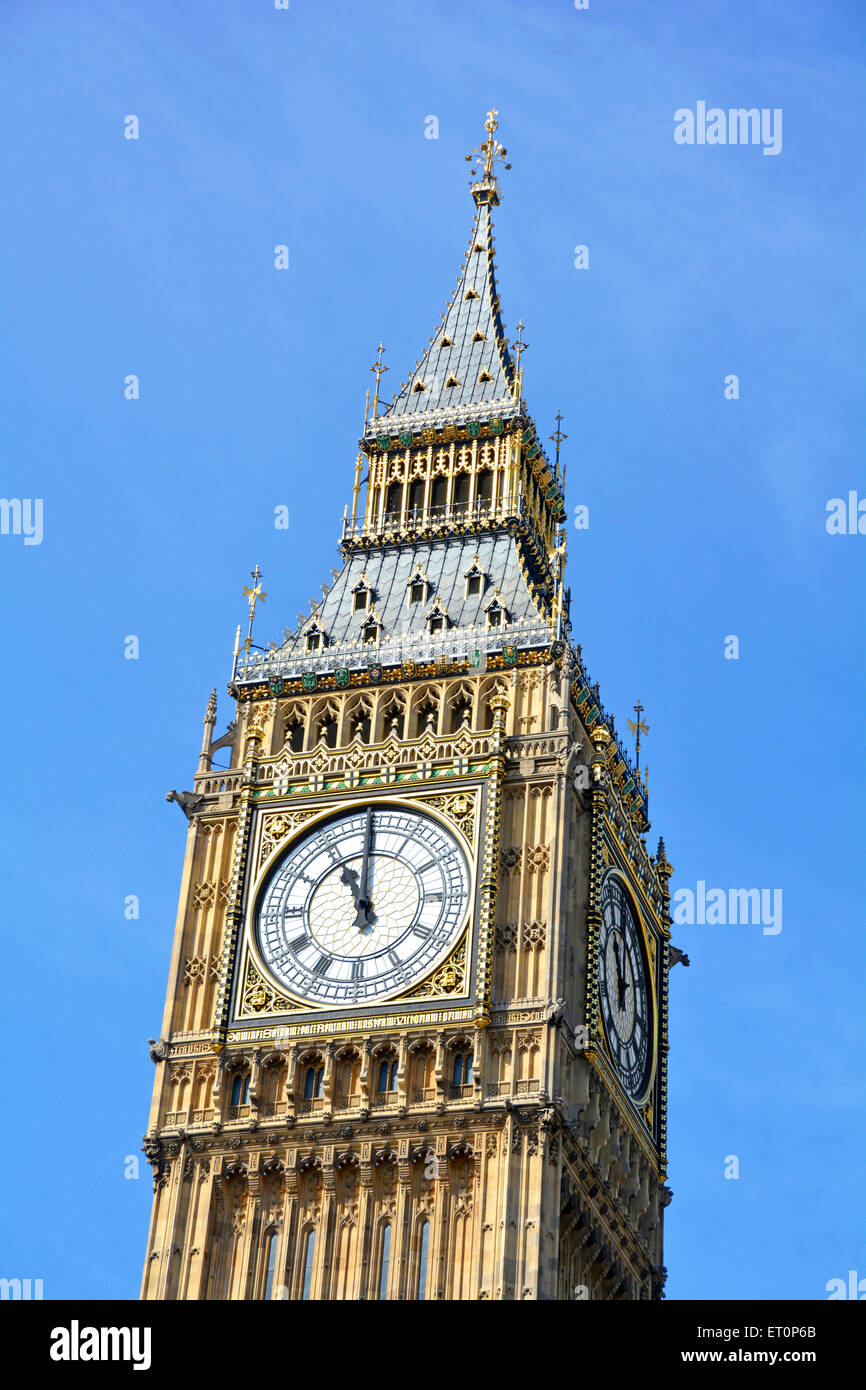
638	727
255	594
378	367
489	151
518	347
558	437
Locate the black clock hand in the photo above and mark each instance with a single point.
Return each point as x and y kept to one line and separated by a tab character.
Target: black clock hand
350	878
620	977
362	901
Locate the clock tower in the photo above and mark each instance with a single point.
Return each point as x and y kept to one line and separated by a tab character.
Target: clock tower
415	1038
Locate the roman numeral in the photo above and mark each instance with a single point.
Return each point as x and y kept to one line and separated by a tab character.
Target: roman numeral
298	943
321	965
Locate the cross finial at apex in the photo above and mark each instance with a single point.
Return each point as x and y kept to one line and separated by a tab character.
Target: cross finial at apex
489	151
255	594
379	368
519	346
638	727
559	436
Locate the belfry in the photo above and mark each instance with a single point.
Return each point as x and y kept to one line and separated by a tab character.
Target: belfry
415	1038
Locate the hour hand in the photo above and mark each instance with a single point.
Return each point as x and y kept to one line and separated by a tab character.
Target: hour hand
350	878
364	917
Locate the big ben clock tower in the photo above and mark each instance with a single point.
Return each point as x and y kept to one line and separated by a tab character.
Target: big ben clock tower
415	1038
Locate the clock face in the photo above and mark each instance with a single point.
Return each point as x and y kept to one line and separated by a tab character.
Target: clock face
626	998
363	906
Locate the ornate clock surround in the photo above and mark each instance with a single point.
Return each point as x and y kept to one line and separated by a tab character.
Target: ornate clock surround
449	993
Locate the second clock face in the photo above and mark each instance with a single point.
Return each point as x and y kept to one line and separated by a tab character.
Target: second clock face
626	999
363	906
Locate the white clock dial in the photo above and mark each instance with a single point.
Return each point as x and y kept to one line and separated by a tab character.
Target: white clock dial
363	905
626	997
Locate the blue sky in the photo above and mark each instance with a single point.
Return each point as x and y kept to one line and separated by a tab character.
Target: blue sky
707	516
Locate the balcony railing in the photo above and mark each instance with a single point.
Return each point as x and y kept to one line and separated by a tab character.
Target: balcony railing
482	512
461	1092
454	517
472	644
385	1098
310	1107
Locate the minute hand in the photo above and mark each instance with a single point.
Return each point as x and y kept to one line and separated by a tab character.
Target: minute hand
363	918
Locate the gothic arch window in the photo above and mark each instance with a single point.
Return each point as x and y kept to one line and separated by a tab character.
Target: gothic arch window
475	580
314	638
423	1253
422	1077
485	712
416	590
461	490
309	1249
437	619
393	499
384	1259
497	615
270	1264
462	1069
386	1077
327	730
359	720
370	629
295	734
270	1088
314	1079
484	487
240	1089
393	720
416	495
439	493
362	596
347	1079
203	1096
460	709
425	712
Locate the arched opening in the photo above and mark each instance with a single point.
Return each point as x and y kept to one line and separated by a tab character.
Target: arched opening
439	494
313	1080
461	713
393	721
393	500
384	1259
423	1252
361	726
423	1081
240	1093
307	1267
416	496
270	1264
327	731
462	1072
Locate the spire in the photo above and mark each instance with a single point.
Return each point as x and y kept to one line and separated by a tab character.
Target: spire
485	187
467	371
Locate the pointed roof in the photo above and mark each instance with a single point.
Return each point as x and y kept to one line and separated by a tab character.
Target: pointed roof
467	371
